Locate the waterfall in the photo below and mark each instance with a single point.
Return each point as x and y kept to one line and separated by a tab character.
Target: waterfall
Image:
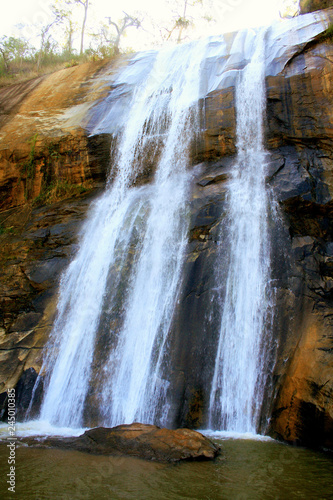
239	375
149	221
133	377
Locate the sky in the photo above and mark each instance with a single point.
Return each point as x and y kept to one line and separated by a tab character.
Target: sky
227	15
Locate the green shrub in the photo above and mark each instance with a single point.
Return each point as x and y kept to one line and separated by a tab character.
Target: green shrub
58	190
6	230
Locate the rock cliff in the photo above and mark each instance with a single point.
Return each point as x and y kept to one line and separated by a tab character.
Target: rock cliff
299	135
47	153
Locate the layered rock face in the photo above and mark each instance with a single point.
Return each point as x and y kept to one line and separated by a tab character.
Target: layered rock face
44	149
43	133
300	134
37	243
299	141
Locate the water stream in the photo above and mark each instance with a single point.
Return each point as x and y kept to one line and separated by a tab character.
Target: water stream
108	348
239	375
133	371
161	111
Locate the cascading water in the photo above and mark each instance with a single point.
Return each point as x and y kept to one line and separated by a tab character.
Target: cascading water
239	375
160	114
133	371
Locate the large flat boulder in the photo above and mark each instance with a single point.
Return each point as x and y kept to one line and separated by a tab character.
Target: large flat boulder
139	440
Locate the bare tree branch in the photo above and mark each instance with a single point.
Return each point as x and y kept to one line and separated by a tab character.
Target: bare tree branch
126	22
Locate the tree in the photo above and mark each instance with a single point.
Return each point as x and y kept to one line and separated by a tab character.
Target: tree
85	5
126	22
181	20
12	48
47	44
65	14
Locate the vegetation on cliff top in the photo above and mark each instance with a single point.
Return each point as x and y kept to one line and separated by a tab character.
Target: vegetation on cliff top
49	45
17	65
68	32
21	60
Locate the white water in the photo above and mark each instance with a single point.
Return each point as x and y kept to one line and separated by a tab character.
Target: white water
39	428
238	382
234	435
133	388
161	111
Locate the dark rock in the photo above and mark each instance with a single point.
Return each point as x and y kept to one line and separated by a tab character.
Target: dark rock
23	392
23	396
32	259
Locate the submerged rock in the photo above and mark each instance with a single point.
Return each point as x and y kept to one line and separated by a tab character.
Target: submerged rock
140	440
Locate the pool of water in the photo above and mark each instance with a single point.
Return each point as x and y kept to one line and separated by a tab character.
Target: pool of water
247	469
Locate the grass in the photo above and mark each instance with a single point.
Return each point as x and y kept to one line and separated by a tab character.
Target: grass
52	189
328	34
22	71
28	170
6	230
25	76
59	190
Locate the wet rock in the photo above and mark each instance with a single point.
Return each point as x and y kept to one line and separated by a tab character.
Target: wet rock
33	255
23	394
300	101
220	124
139	440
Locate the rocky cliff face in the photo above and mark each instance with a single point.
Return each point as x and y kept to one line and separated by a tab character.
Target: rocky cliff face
299	139
45	155
300	134
38	241
43	138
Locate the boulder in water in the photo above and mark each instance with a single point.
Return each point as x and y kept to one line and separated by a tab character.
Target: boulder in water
140	440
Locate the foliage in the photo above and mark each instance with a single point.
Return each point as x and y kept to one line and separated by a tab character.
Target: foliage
85	5
289	8
71	63
58	190
11	49
52	188
328	34
6	230
29	168
182	20
20	61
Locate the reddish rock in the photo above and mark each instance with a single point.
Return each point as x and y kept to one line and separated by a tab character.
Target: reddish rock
143	441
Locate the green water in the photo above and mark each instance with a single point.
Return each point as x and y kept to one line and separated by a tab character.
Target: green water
246	470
